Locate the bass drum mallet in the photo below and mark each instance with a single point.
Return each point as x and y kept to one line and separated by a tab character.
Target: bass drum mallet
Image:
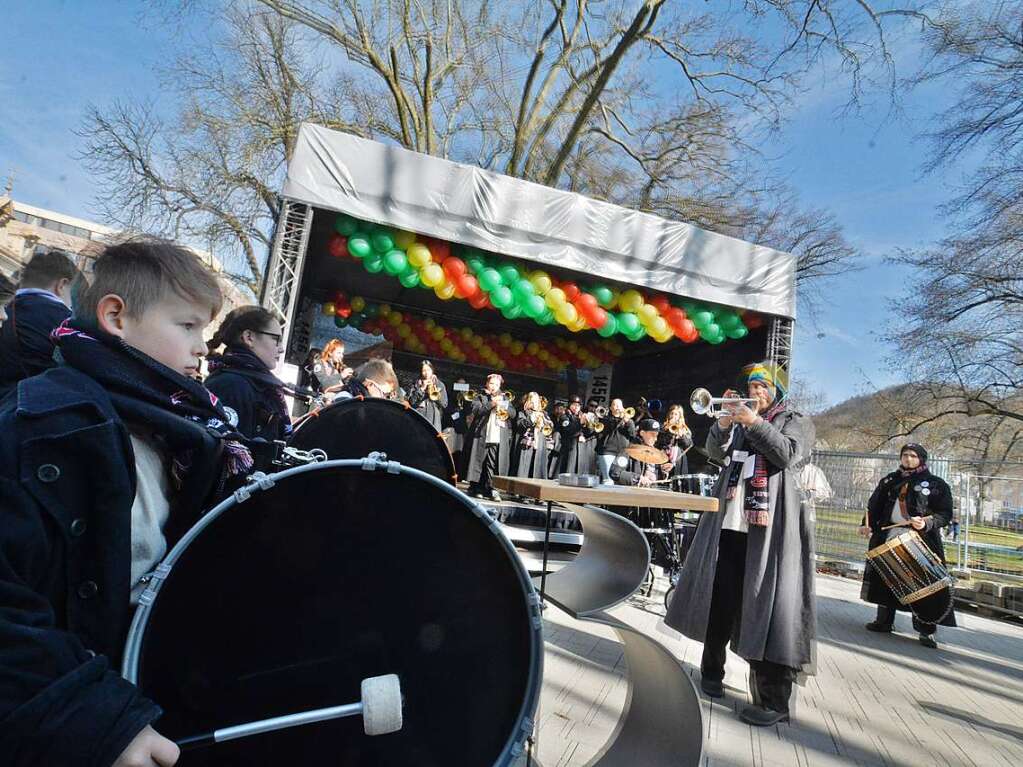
380	709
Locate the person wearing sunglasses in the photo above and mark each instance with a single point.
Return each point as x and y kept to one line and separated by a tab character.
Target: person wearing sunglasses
375	378
242	375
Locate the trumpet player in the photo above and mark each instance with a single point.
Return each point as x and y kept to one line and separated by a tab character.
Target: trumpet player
675	439
578	430
534	438
490	435
429	396
618	433
749	574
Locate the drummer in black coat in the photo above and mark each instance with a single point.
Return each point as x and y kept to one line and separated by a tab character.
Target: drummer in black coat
490	437
626	470
914	496
429	396
578	438
619	432
242	376
531	443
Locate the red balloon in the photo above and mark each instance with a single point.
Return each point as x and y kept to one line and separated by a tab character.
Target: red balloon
752	321
454	268
345	312
571	290
439	249
340	298
598	318
675	317
660	303
687	331
465	284
338	246
586	302
479	301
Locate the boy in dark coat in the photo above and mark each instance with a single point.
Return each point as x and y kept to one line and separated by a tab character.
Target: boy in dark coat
626	470
41	303
923	501
105	460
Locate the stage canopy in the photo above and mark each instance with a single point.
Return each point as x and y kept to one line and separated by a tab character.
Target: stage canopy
483	209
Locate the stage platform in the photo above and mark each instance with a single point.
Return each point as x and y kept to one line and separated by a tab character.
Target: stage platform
876	699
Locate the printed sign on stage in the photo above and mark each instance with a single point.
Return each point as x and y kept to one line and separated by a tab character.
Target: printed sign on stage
599	386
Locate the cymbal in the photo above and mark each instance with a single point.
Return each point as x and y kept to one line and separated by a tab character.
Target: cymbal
646	454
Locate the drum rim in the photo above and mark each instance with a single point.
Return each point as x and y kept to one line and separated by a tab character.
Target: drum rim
260	481
387	403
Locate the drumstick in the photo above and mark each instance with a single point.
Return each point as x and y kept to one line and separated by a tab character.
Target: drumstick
380	709
905	523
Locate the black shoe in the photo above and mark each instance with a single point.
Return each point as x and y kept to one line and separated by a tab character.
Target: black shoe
883	628
928	641
762	717
712	688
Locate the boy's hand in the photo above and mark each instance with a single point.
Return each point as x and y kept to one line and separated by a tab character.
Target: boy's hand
149	749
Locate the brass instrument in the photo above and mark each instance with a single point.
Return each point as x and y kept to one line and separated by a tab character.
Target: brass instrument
593	421
433	390
509	395
540	418
676	429
629	413
600	411
703	403
502	408
543	402
469	395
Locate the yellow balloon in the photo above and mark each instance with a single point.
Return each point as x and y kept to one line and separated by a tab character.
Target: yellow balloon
432	275
517	347
532	347
541	281
630	301
445	291
658	326
403	239
404	330
555	297
476	342
385	309
446	344
647	314
663	338
566	314
419	255
395	318
578	325
505	339
358	303
437	333
429	323
466	333
543	354
329	308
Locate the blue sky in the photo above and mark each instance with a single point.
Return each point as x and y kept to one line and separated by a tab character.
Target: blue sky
60	56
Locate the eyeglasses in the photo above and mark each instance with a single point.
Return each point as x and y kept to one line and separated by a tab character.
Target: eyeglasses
275	336
381	391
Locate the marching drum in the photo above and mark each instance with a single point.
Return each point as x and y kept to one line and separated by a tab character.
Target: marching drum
915	575
318	583
352	428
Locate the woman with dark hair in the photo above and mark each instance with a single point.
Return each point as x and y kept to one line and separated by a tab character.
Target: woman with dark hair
242	376
429	396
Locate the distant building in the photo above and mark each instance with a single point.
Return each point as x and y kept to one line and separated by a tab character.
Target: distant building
25	228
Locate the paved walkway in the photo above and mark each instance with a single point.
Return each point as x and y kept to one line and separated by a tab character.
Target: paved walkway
876	699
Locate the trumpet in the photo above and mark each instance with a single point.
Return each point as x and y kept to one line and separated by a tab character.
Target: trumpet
432	390
703	403
502	408
629	413
593	420
539	418
600	411
543	402
469	395
677	429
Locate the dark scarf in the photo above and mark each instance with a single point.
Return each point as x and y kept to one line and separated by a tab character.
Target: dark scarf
241	360
757	503
185	416
900	489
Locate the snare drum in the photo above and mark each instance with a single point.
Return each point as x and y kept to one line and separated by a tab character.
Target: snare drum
914	574
330	573
697	484
353	428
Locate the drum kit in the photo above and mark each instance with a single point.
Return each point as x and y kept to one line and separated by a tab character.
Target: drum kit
350	576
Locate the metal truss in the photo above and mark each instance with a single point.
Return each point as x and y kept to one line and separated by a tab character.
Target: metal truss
779	342
287	258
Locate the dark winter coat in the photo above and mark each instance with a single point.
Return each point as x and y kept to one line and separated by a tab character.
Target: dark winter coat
935	505
432	411
778	618
67	484
253	402
477	438
618	434
25	346
554	455
666	440
578	446
530	454
626	470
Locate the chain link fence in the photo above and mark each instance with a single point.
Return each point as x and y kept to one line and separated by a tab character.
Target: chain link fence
987	535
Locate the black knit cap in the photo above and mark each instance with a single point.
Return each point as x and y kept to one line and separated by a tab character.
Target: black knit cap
918	449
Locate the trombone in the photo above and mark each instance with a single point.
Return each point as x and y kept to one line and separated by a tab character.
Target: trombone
703	403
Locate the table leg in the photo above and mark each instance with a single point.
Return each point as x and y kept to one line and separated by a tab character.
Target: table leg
546	549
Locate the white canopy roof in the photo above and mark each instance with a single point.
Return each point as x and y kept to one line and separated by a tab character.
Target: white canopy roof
465	204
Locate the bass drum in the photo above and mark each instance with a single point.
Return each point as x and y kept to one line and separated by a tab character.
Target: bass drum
354	428
325	575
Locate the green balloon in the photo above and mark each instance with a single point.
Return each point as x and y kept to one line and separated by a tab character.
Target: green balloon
475	263
523	290
637	335
534	306
547	318
511	312
737	333
715	340
395	262
509	274
345	225
610	327
728	320
711	330
409	278
603	294
501	297
341	322
628	322
702	318
374	263
359	246
489	279
372	310
356	320
382	241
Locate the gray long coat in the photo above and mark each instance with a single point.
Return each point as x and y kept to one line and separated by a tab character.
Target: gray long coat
779	619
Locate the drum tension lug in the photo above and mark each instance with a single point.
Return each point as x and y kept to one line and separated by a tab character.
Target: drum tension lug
153	580
257	481
536	610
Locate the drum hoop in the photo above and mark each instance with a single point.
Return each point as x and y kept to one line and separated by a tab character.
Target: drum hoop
260	481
